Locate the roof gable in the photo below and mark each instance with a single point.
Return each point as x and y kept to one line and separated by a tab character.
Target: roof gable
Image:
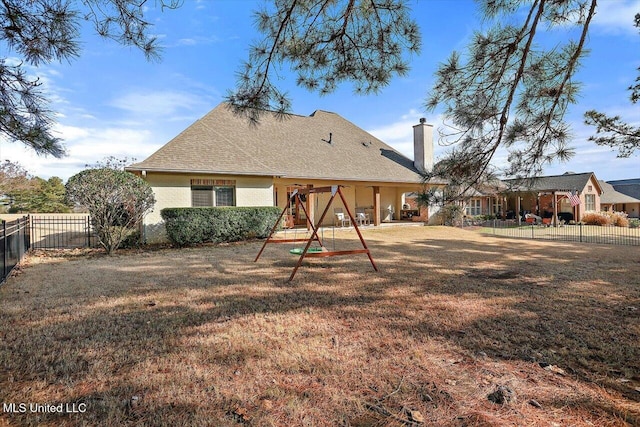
320	146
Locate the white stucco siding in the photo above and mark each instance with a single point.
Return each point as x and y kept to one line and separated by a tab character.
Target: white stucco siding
170	191
174	191
254	191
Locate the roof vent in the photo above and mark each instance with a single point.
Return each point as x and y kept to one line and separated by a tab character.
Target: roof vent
367	143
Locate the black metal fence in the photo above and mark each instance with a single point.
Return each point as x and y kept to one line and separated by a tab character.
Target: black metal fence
610	235
61	232
14	243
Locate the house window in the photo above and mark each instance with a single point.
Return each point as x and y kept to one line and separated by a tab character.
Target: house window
474	207
589	188
590	202
224	196
201	196
497	206
209	192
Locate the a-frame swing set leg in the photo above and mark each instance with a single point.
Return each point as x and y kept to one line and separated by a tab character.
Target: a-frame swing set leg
335	190
275	227
355	226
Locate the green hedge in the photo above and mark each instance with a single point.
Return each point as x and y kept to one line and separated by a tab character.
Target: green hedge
188	226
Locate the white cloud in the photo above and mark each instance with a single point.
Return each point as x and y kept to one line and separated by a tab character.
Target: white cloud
158	104
186	42
84	146
616	17
143	122
192	41
70	133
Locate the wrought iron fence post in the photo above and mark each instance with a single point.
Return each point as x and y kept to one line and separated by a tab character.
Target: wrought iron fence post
88	227
4	252
32	237
27	234
580	224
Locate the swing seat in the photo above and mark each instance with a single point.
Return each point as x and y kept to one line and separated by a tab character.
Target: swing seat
298	251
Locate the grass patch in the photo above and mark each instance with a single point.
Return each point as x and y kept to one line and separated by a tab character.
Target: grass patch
204	336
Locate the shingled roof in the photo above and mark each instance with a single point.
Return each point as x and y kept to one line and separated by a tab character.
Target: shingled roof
610	195
565	182
320	146
630	187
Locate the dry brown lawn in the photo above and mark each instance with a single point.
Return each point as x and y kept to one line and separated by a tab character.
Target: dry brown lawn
205	336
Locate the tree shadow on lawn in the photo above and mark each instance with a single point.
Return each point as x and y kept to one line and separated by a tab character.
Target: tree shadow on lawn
532	307
111	346
578	311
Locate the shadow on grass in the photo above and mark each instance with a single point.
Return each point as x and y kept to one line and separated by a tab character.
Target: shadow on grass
510	300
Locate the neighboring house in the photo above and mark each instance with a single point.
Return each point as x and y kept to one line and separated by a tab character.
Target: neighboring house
545	196
222	160
622	196
548	196
486	199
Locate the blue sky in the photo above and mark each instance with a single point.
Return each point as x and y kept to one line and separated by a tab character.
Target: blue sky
112	102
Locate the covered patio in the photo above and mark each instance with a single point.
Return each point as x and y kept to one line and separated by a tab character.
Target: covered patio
380	204
552	207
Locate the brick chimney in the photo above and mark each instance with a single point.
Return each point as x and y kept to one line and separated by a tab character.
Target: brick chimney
423	146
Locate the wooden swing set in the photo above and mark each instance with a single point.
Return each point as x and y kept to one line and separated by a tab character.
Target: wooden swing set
308	252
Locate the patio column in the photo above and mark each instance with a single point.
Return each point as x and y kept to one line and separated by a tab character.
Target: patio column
555	209
376	206
398	204
504	208
311	206
518	208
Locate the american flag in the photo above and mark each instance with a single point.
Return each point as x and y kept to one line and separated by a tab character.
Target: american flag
574	199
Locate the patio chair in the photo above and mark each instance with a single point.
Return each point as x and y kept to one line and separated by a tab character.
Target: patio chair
533	219
339	218
362	217
288	222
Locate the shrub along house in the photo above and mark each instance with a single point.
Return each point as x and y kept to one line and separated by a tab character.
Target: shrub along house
222	160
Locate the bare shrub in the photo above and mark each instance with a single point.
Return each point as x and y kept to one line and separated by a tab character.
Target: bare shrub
596	218
619	219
